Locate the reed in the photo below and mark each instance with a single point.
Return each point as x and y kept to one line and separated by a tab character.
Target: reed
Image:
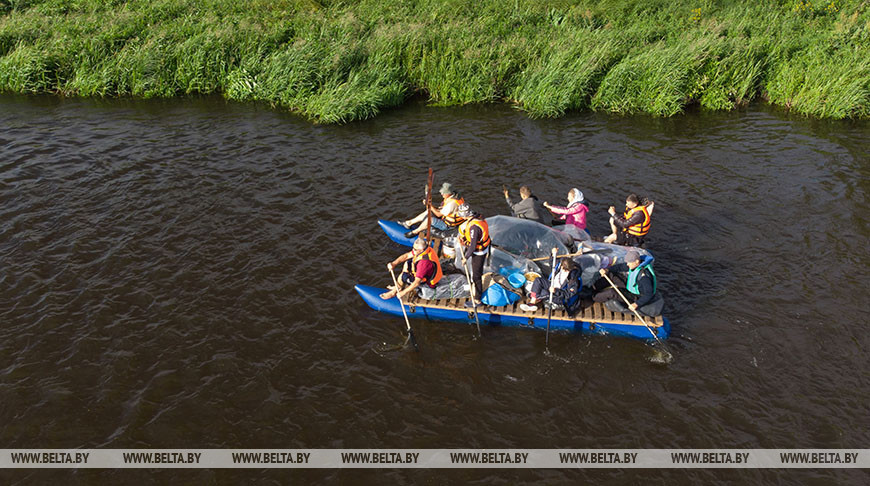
337	61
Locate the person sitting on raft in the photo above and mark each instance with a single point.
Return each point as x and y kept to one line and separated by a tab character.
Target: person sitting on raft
529	206
641	287
631	228
422	269
443	218
565	286
575	213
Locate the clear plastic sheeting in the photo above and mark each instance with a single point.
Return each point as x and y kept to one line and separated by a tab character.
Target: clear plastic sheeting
501	259
602	255
498	260
574	232
526	238
452	286
590	264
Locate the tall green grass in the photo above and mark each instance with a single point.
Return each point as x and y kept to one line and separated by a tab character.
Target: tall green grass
335	61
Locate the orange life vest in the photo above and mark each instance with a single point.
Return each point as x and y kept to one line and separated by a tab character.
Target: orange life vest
465	234
452	219
428	254
641	228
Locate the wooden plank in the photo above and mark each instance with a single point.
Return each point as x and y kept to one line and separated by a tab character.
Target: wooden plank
597	312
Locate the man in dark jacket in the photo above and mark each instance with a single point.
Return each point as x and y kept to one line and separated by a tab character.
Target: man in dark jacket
632	226
640	287
529	207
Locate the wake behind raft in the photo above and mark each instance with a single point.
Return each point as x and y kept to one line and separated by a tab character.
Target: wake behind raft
595	319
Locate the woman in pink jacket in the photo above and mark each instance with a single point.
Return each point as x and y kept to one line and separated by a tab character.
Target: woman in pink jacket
575	213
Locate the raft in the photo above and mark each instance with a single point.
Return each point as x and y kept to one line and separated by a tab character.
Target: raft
396	232
596	319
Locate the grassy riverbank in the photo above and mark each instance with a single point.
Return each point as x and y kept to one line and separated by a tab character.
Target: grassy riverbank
338	61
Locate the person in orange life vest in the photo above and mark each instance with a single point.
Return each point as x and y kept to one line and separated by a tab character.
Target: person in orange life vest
474	237
632	227
422	269
443	218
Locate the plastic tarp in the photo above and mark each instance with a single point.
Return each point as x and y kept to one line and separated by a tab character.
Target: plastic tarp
452	286
498	260
574	232
526	238
603	255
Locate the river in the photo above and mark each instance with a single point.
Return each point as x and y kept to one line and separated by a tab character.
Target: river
180	274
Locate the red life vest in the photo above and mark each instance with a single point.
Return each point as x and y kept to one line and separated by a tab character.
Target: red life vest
428	254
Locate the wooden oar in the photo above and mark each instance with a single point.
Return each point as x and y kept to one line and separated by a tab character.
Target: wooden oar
540	259
583	251
402	305
471	289
429	181
550	307
628	304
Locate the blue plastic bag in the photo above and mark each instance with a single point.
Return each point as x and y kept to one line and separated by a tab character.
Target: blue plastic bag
497	296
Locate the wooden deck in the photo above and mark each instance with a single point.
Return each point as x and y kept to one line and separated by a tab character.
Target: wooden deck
596	313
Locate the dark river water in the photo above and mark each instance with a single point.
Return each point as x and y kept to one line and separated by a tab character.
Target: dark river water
179	274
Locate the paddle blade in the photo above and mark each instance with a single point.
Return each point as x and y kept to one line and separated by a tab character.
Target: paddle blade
412	340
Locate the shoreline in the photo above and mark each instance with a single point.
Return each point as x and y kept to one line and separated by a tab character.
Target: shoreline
332	62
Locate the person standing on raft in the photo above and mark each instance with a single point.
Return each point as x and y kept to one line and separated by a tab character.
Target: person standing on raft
422	269
446	214
631	228
640	284
475	241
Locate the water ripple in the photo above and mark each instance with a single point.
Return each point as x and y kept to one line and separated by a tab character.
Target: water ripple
180	274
